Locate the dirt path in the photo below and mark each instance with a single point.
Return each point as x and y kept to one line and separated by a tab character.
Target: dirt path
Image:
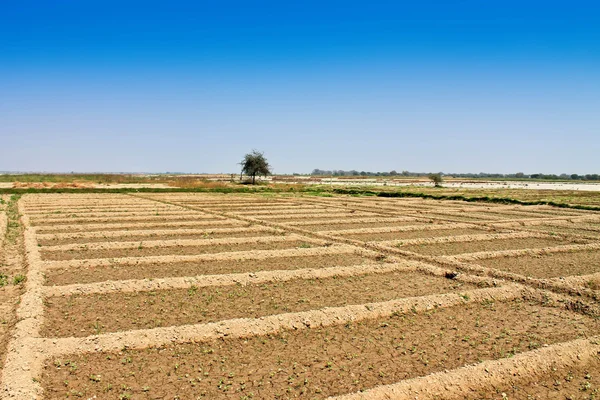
12	273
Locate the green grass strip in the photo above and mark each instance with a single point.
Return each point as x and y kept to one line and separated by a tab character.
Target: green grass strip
483	199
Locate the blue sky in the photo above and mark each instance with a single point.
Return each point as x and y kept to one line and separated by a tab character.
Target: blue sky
454	86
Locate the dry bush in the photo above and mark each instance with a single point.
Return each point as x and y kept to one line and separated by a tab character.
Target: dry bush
288	187
72	185
188	182
50	185
28	185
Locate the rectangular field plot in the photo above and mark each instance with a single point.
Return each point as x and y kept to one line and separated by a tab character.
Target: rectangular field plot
447	249
460	216
219	201
83	315
548	265
126	226
572	229
412	234
109	213
263	296
106	211
392	203
335	225
210	265
321	361
531	213
321	216
155	234
119	220
561	382
425	207
287	210
197	247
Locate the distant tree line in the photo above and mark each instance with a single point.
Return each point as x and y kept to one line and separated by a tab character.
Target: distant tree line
518	175
335	172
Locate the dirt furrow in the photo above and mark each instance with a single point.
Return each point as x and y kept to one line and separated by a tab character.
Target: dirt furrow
492	379
75	316
100	208
176	243
84	215
186	282
550	264
277	261
421	227
252	254
208	222
314	271
117	220
207	233
463	238
356	220
121	210
3	227
245	328
513	253
322	215
140	252
335	358
498	245
21	367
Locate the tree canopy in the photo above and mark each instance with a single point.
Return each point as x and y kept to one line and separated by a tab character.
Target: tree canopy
436	179
255	163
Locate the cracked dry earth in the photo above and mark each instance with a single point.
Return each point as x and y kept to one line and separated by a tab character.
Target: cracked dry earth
185	296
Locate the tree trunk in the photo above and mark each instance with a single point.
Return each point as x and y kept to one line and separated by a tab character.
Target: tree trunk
253	179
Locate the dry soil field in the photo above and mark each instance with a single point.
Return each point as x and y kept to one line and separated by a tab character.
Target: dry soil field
185	296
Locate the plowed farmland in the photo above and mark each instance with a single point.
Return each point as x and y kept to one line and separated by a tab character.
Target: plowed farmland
190	295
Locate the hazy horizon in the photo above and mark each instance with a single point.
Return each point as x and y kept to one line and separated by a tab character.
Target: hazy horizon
458	86
527	175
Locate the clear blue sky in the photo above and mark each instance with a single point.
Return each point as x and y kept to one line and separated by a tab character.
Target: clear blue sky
455	86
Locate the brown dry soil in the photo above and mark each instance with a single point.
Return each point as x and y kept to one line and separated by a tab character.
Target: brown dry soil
367	237
548	265
447	249
127	226
575	230
502	215
516	214
467	217
226	202
208	234
267	211
78	315
560	383
361	225
65	276
320	217
112	214
318	362
121	209
9	300
256	206
117	220
142	251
